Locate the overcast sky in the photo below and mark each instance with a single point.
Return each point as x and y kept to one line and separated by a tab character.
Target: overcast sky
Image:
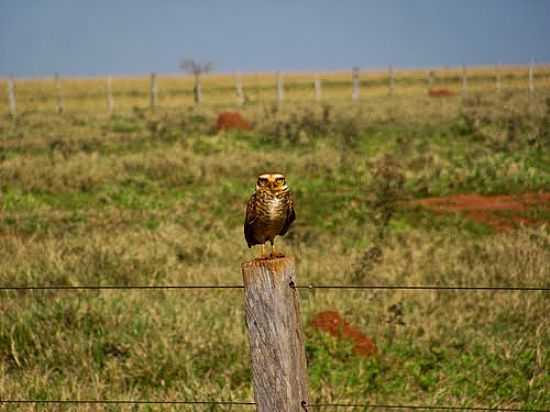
86	37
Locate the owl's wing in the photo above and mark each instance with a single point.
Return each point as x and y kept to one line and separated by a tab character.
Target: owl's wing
290	214
249	219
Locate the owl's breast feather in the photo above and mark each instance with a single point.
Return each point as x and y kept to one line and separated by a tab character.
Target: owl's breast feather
275	208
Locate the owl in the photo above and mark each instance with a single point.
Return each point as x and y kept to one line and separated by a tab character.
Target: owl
269	212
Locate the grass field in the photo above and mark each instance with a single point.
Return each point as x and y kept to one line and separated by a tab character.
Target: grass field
175	90
157	198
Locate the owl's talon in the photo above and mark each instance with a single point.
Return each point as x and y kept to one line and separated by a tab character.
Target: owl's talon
262	255
275	254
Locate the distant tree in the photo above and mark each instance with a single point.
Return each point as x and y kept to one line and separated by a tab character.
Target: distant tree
196	69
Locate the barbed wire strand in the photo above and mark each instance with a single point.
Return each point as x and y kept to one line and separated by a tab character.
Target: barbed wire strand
422	407
249	403
125	402
305	287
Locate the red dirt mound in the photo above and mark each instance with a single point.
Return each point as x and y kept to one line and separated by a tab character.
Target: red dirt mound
232	120
501	212
332	323
440	93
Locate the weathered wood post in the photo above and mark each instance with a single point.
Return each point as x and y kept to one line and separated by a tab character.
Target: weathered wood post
431	80
355	81
153	92
280	88
110	100
464	81
317	84
391	80
59	107
239	89
497	75
531	78
197	89
11	97
272	314
259	94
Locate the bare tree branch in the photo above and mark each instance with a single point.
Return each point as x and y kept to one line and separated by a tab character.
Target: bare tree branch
196	68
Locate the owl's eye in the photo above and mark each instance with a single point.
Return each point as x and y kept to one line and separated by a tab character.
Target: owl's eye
262	181
280	181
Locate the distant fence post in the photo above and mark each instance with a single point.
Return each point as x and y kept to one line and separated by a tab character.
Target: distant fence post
258	88
110	100
430	81
59	106
497	78
197	89
531	79
280	88
153	92
239	89
11	97
355	81
464	81
275	333
391	80
317	84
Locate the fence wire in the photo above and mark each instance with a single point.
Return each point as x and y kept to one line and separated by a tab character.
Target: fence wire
303	287
305	406
245	403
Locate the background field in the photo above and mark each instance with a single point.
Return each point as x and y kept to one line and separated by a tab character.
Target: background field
175	90
157	198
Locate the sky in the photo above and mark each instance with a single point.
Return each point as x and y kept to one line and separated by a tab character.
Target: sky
97	37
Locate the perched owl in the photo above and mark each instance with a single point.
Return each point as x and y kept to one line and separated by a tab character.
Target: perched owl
269	212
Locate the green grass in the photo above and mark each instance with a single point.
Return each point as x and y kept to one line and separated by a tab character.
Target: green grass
158	199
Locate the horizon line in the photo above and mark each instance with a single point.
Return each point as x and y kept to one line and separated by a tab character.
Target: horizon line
382	69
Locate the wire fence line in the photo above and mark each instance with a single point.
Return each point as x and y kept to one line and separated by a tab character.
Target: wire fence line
424	407
123	402
303	287
306	407
304	86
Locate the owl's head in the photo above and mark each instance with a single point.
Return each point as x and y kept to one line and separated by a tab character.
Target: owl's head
272	182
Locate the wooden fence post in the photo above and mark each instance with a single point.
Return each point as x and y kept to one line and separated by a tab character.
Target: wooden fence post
531	79
272	314
431	76
280	88
153	92
11	97
239	89
317	84
258	88
391	80
197	89
110	101
498	83
355	81
59	95
464	81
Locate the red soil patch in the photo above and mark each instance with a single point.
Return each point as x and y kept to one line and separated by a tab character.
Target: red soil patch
332	323
440	93
485	209
232	120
